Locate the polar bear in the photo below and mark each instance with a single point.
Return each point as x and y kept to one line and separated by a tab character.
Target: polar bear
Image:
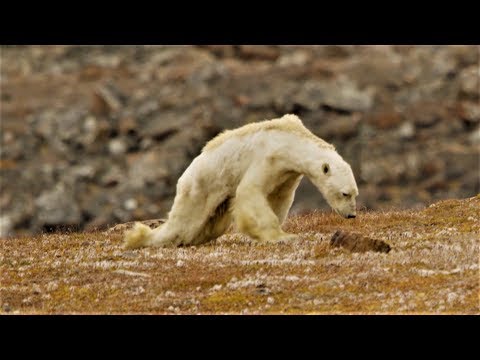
248	176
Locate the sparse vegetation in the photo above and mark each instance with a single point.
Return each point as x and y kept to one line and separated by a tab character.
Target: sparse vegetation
433	267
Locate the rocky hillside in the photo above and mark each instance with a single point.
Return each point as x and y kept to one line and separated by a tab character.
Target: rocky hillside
431	268
98	135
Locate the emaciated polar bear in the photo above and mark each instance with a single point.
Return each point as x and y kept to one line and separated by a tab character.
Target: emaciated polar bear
249	175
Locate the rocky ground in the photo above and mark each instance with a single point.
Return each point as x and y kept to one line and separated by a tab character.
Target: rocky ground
95	135
431	268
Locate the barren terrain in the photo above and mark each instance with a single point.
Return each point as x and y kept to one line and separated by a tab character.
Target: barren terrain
433	267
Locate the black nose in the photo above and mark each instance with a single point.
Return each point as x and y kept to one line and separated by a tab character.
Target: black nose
352	216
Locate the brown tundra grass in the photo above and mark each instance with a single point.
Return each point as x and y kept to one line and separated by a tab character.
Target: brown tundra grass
433	268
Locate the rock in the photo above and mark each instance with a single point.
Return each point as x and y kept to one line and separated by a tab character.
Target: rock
425	113
358	243
130	204
258	52
127	125
382	68
147	108
147	168
336	51
19	212
5	200
469	112
57	207
43	124
69	125
469	86
386	118
342	95
297	58
378	172
91	72
474	137
431	167
339	127
73	131
435	183
470	183
5	226
464	55
107	99
117	147
8	137
112	177
90	125
349	98
165	56
221	51
457	164
160	128
80	172
310	96
406	130
146	143
207	74
443	63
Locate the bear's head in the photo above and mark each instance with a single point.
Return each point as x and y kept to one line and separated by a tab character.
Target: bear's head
338	186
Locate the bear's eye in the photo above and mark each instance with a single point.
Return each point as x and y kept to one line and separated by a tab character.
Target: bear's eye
325	168
345	194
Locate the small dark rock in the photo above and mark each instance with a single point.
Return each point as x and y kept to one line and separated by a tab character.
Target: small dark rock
358	243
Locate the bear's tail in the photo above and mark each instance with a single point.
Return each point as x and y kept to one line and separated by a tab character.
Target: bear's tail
137	237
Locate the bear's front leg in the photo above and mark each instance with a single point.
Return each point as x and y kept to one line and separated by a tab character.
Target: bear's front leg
254	216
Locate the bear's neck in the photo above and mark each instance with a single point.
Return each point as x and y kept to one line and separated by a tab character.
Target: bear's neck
308	158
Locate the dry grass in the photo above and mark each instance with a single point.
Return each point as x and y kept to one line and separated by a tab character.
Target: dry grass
433	268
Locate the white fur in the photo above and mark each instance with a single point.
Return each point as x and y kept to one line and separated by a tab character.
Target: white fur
249	176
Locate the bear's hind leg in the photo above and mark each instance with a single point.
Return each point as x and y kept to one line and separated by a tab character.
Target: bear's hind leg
217	224
186	223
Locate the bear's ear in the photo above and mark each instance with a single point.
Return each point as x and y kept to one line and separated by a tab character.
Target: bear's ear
326	169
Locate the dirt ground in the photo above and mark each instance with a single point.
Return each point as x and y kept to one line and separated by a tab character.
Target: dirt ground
433	268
